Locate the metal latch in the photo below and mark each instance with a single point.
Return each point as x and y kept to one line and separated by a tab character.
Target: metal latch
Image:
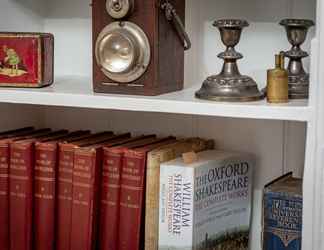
172	16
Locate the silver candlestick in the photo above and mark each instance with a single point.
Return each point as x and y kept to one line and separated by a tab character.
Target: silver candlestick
230	85
298	79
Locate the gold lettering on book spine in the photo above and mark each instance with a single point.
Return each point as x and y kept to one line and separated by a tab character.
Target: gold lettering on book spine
130	164
65	180
131	170
63	197
44	162
17	177
17	161
83	203
4	166
44	196
44	179
111	175
131	188
66	163
80	167
111	203
127	205
44	169
17	167
16	154
131	177
82	175
79	184
19	195
65	170
110	185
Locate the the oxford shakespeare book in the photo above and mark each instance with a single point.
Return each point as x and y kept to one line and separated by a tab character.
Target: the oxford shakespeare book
206	204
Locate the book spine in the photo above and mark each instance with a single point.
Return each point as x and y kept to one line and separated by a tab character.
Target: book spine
282	221
21	195
131	202
176	220
152	202
64	197
86	177
4	196
44	196
110	190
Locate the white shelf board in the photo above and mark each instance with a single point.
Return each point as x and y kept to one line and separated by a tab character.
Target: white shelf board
77	92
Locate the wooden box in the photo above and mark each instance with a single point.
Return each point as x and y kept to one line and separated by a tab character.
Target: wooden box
165	70
26	59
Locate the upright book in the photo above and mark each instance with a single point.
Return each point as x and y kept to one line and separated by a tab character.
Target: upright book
65	178
86	193
45	182
5	137
5	162
206	204
21	191
282	214
110	189
154	159
132	195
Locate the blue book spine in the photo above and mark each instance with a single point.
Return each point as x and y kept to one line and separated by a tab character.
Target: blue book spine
282	221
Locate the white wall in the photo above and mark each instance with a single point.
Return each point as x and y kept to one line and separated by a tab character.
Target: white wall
22	15
70	21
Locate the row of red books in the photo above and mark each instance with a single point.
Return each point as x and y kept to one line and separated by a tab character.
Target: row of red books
73	190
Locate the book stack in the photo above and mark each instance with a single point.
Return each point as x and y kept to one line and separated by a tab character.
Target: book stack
83	191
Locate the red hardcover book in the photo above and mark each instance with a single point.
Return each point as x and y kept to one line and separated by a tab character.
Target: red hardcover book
4	198
45	189
21	191
132	193
110	188
4	182
86	176
4	201
86	181
65	177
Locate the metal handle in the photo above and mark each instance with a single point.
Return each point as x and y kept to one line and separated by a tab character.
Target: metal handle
171	15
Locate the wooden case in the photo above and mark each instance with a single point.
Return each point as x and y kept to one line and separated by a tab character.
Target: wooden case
26	59
165	72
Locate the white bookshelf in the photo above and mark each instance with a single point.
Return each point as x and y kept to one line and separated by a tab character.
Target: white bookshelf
77	92
284	138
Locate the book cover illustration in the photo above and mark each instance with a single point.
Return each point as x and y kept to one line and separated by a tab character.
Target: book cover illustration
282	216
206	204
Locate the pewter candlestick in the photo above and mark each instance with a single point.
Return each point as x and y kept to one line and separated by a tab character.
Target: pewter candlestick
298	79
230	85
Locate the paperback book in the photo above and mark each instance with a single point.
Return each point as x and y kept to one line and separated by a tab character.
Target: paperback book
206	204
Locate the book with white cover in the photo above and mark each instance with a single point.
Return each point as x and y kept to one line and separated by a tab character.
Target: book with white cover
206	204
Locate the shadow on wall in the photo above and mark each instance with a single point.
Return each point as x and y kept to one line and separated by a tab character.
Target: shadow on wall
59	9
35	6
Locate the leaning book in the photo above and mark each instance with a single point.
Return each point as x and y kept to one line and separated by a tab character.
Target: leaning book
206	204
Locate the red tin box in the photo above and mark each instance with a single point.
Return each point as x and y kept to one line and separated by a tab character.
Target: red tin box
26	59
